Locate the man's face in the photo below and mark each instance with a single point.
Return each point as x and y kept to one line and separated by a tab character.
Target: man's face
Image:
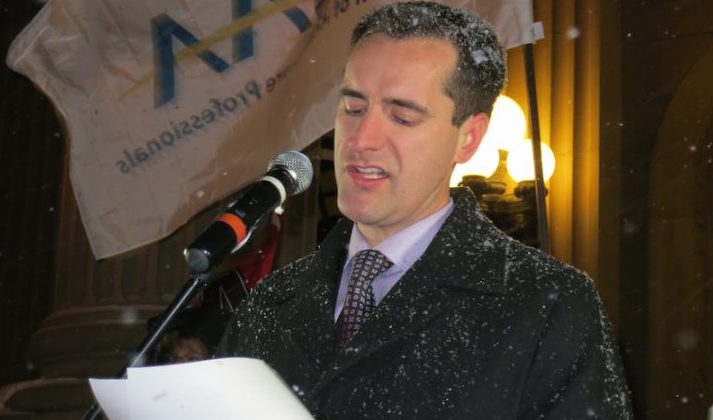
395	145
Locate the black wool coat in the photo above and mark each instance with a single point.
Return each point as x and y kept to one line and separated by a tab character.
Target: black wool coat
480	327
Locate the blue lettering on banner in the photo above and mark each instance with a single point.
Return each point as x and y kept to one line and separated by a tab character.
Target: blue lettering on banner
164	28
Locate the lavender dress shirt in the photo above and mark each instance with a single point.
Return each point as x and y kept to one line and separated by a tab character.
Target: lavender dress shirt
402	248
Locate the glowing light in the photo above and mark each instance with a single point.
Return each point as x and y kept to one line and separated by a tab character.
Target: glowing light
484	162
521	165
507	124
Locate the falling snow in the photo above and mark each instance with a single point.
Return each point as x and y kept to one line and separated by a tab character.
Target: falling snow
572	32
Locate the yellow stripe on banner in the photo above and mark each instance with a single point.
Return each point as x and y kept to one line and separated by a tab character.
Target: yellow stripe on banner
222	34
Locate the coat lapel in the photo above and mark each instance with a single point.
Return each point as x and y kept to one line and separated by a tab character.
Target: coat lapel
309	323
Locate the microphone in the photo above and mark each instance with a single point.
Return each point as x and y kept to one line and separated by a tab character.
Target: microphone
289	173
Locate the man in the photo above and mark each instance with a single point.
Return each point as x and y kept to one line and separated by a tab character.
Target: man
450	318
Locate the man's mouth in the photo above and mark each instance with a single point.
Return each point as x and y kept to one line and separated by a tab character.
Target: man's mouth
368	172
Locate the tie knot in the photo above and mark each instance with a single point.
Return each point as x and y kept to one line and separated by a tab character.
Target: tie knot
369	263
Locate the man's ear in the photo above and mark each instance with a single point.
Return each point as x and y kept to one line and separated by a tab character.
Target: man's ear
471	133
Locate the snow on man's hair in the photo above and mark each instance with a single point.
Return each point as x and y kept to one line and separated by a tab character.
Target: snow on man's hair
480	71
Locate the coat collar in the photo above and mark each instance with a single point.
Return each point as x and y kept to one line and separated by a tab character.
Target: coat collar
469	252
467	242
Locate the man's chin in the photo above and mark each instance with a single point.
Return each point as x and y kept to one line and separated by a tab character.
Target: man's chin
360	213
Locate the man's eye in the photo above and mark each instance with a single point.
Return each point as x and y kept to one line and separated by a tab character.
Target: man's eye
353	106
353	111
406	121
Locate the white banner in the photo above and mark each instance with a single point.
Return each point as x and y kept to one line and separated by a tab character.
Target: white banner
171	105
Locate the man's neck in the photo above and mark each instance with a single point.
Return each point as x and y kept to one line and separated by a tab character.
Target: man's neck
375	235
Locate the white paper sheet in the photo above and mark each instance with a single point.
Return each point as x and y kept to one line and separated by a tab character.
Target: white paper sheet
230	388
112	395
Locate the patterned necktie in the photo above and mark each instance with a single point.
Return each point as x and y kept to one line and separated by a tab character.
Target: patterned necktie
359	302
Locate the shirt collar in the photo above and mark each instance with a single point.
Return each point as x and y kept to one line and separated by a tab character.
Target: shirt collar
405	246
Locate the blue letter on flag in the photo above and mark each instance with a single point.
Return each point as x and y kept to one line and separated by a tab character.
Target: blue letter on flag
164	28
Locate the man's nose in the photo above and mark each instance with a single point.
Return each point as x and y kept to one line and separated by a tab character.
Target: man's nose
369	132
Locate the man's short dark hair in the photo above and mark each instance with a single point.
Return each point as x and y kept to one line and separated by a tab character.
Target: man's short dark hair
480	71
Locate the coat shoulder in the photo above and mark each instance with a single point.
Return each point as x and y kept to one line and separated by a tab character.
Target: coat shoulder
282	283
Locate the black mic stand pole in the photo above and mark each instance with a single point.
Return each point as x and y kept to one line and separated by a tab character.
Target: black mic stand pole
195	284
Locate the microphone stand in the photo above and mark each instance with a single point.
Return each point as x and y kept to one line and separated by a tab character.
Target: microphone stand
195	284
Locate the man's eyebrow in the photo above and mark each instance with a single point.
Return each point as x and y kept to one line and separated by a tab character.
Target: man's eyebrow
345	91
405	103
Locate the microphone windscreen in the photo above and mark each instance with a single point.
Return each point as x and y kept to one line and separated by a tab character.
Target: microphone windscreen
300	169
